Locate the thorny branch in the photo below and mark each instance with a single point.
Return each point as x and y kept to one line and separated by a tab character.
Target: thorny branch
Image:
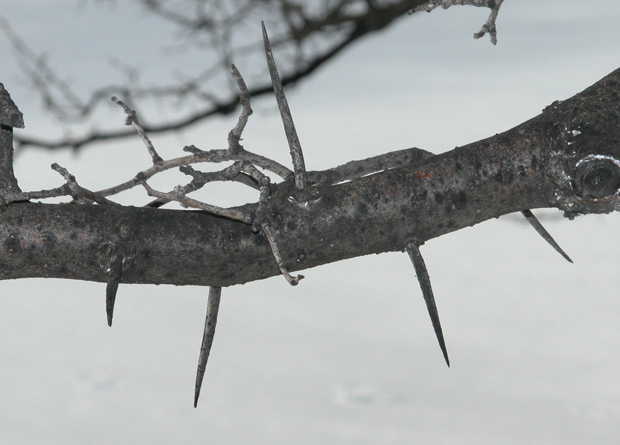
244	171
568	157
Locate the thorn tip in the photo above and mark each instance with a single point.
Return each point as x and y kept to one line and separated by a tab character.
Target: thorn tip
540	229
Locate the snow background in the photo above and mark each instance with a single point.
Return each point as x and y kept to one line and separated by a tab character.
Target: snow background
348	356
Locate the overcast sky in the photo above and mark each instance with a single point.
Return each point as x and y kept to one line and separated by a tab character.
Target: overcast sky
349	355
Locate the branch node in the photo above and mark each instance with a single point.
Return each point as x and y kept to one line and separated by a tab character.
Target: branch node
489	27
77	192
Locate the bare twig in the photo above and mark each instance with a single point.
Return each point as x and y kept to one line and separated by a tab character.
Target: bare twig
178	196
234	137
287	119
489	27
214	156
213	307
79	193
293	281
264	182
132	119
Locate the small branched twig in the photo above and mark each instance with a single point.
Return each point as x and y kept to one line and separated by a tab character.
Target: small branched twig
132	119
199	156
489	27
77	192
179	196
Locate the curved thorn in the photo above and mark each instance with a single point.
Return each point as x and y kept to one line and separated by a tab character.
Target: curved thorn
427	292
213	306
115	275
299	166
543	232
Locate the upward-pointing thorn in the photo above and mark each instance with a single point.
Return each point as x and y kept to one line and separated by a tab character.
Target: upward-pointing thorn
427	292
543	232
299	166
213	306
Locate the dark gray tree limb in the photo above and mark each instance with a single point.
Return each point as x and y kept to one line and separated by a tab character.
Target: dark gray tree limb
568	157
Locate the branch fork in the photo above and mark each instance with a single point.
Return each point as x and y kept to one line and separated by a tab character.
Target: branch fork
488	28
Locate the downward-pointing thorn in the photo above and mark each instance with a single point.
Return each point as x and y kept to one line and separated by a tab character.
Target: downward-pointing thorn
543	232
213	306
110	298
115	274
427	292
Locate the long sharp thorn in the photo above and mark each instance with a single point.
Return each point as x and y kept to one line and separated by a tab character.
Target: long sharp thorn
543	232
427	292
213	306
299	166
115	276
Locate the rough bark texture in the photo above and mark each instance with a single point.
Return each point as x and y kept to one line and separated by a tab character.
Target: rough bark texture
567	157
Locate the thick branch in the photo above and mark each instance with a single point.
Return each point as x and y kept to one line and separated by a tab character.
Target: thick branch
568	157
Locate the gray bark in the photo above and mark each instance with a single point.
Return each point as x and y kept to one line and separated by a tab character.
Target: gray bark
568	157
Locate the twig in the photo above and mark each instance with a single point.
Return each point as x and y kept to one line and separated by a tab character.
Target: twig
299	166
132	119
79	193
213	307
234	137
293	281
214	156
200	179
264	186
178	196
488	27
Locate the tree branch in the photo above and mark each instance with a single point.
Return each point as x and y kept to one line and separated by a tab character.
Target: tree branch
568	157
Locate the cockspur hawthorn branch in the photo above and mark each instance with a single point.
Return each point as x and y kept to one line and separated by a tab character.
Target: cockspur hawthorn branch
568	157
